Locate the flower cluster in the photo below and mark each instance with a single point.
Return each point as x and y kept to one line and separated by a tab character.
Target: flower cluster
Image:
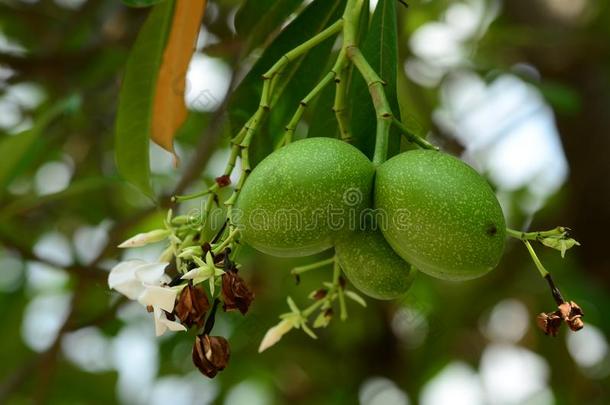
324	300
179	287
568	312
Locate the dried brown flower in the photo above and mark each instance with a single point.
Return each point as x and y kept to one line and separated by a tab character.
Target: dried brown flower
549	322
235	293
571	313
211	354
192	306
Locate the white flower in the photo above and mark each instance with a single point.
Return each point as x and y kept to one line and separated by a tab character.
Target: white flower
143	239
206	271
142	281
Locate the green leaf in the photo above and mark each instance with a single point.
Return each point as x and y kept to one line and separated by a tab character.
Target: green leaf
141	3
133	123
15	149
380	48
257	19
561	243
297	77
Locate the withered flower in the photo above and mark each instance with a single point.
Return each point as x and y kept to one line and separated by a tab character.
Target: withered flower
571	313
549	323
235	293
210	354
192	306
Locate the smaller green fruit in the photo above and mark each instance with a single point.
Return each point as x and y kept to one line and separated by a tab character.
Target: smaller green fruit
372	266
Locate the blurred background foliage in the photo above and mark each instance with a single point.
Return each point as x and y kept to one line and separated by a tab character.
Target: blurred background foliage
520	89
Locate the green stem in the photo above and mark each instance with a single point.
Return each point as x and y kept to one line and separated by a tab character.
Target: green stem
313	266
304	48
312	308
541	269
559	231
289	130
380	102
411	137
340	74
351	16
227	241
337	286
181	198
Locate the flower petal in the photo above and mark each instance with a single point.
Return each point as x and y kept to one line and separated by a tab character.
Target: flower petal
162	324
143	239
151	273
157	296
122	278
274	334
191	274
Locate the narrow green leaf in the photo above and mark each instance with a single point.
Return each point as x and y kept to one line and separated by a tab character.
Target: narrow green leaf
380	47
141	3
133	124
257	19
15	149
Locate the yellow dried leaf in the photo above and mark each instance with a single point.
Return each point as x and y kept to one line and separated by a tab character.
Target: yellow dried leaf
169	110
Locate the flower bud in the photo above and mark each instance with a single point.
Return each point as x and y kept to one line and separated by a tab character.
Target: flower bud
210	354
143	239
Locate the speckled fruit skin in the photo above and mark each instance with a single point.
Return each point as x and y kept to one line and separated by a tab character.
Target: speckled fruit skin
443	216
372	266
286	204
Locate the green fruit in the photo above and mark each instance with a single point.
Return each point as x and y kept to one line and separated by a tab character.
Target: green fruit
300	197
372	266
441	215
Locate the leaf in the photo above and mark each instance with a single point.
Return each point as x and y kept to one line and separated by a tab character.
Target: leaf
257	19
561	243
133	123
169	110
317	16
380	48
14	149
141	3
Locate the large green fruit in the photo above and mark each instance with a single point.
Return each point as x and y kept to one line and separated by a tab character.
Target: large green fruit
372	266
441	215
300	197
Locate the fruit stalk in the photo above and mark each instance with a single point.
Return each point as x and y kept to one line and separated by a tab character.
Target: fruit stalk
411	137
